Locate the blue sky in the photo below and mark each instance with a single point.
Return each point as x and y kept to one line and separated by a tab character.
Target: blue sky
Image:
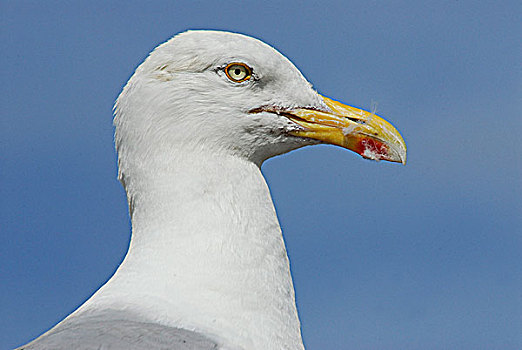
426	256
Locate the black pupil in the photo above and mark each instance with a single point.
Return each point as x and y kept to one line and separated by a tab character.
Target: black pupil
237	71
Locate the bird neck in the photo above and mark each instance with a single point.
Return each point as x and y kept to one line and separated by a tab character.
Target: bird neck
206	253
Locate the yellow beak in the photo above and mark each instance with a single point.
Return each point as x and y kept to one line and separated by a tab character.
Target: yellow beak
355	129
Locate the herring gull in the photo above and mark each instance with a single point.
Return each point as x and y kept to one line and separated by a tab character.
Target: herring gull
207	267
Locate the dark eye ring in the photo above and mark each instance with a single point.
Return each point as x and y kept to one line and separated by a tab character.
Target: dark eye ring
238	72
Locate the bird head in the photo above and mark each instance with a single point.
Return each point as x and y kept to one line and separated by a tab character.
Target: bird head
230	93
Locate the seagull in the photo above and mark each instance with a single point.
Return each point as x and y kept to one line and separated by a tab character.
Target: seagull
207	266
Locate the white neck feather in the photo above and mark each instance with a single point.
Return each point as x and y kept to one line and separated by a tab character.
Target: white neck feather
206	253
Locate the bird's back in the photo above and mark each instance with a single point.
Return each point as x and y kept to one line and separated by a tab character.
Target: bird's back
111	330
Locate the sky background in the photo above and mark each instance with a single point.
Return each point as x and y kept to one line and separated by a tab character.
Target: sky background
384	256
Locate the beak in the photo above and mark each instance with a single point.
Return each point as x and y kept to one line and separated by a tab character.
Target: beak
355	129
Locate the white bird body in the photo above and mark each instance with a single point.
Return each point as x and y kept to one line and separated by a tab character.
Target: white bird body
216	264
207	258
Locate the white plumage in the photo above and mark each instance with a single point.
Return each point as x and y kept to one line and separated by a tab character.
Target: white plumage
207	267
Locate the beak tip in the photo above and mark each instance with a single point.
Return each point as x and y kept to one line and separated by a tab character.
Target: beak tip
380	149
402	156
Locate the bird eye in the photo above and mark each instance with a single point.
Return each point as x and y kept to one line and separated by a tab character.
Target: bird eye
238	72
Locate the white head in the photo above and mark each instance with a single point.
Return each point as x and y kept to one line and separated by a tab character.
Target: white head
182	99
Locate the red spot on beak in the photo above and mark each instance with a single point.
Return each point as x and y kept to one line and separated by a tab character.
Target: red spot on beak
371	148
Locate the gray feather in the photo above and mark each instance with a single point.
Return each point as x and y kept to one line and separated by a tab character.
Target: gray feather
111	330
